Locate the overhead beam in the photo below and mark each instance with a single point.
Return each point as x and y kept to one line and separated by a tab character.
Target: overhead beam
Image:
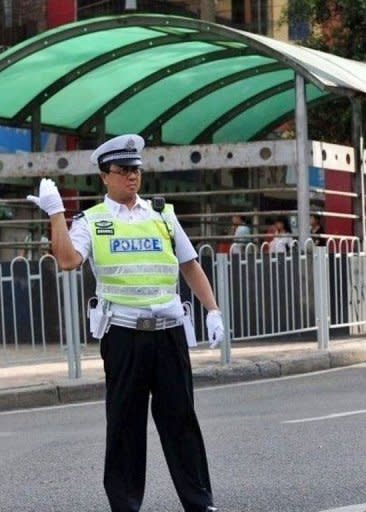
181	158
162	159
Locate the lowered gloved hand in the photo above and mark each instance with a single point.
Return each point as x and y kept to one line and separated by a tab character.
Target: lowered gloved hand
215	328
49	199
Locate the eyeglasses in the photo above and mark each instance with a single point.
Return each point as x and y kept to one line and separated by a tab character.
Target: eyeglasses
126	171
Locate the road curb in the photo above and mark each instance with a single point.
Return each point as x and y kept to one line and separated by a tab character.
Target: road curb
305	363
32	396
81	390
346	357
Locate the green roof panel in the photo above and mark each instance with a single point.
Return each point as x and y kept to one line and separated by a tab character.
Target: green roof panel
166	93
245	125
190	121
107	81
46	66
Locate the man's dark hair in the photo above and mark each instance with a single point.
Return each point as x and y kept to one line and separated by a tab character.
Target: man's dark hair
105	167
316	216
286	223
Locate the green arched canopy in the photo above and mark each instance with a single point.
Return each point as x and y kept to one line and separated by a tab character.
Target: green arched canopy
174	80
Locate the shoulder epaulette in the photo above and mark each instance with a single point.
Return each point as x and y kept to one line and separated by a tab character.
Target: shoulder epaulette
79	216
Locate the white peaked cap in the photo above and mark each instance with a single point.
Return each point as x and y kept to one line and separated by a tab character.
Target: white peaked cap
121	150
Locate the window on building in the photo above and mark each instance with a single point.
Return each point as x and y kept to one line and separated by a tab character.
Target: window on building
298	29
250	15
91	8
19	21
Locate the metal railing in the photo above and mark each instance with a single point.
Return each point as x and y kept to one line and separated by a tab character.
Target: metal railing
201	224
317	291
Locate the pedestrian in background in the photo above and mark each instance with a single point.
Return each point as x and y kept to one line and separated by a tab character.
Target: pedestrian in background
240	229
270	232
283	239
316	229
136	249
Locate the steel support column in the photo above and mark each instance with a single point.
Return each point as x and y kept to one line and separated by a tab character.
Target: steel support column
359	181
36	130
321	296
223	297
100	129
302	161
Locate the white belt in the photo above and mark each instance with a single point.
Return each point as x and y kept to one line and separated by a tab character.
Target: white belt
131	322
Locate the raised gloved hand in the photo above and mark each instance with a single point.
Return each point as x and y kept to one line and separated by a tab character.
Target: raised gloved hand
215	328
49	199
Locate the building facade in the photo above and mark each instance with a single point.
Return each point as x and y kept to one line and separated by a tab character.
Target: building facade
21	19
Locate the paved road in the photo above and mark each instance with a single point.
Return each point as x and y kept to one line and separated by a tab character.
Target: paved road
264	457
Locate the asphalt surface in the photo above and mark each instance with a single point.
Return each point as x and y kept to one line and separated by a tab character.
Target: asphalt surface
51	459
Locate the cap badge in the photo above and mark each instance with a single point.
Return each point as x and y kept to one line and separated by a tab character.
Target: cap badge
130	145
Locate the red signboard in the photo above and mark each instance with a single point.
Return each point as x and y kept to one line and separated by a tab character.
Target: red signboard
342	181
59	13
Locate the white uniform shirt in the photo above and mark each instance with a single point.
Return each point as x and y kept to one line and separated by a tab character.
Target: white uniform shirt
280	244
81	240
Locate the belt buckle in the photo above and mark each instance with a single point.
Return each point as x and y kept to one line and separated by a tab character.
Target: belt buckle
146	324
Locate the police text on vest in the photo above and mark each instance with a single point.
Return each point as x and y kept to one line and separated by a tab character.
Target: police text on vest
136	245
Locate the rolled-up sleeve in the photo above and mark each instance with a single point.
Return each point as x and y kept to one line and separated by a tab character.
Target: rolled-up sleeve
183	246
80	237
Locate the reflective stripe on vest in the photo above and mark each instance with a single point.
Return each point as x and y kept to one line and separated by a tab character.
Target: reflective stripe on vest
134	262
139	291
116	270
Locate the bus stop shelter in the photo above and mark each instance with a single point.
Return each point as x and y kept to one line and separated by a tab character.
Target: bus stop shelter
201	94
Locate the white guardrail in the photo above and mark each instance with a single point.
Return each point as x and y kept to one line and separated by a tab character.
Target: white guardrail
261	294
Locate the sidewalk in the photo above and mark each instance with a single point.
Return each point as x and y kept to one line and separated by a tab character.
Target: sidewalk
43	380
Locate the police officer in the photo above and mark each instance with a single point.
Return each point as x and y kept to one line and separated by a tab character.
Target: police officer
136	253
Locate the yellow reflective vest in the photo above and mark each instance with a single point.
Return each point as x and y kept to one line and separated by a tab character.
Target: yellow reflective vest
134	263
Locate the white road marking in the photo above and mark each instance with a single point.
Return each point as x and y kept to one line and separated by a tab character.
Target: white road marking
6	434
350	508
206	388
328	417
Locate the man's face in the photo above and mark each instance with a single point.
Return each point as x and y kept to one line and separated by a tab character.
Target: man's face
122	182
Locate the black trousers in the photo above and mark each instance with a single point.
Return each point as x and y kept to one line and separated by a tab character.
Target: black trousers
137	364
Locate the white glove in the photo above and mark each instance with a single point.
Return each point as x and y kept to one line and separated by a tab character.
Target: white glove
49	199
215	328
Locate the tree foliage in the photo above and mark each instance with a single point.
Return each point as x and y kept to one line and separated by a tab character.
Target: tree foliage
338	27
